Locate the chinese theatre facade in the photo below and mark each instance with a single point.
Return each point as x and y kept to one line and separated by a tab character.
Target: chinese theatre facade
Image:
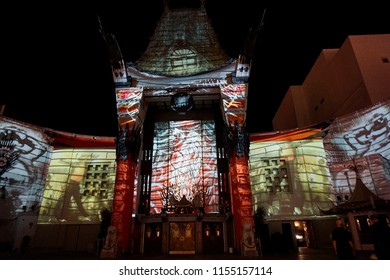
182	181
183	176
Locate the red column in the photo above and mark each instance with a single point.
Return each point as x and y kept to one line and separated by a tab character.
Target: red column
242	205
123	202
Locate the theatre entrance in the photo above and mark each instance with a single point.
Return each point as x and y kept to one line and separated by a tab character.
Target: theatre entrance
184	234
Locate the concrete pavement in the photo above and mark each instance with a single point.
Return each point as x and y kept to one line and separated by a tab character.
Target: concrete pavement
303	253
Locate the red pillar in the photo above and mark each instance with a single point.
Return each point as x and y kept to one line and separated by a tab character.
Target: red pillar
242	205
123	202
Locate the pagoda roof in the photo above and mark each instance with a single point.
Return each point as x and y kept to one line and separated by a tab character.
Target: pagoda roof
216	77
184	43
361	199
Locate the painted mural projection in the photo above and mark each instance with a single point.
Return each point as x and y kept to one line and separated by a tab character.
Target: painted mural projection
24	156
289	177
128	100
185	162
80	183
358	145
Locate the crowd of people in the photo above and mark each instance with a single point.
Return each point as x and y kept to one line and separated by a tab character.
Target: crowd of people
379	236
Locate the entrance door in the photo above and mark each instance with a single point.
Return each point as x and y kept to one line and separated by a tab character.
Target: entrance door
182	238
287	237
153	238
213	238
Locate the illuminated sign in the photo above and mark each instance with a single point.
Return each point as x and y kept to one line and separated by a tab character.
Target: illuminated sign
182	102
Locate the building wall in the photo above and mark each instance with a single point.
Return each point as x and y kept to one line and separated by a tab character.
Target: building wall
80	183
374	64
66	237
357	145
22	181
289	179
316	90
36	187
340	82
287	119
322	230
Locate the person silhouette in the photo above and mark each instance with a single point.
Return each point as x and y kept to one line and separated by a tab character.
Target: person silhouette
342	241
72	190
380	237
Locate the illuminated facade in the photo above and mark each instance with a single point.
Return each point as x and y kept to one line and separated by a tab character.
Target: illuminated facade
349	89
181	111
54	185
183	176
357	148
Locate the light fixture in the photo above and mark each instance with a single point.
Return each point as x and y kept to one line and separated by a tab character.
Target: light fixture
218	231
158	232
207	231
148	232
182	102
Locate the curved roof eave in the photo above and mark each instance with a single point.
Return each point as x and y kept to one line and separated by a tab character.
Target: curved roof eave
217	77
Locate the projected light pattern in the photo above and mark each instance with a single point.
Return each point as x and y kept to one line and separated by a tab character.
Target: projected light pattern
80	183
184	158
289	177
234	101
23	180
360	134
358	145
128	102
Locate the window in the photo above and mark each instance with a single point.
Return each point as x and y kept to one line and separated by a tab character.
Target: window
183	60
96	182
276	175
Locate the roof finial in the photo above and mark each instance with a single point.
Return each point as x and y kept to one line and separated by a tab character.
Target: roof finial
166	5
248	48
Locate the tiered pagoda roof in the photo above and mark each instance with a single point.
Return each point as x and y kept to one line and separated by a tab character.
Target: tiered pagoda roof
362	199
184	43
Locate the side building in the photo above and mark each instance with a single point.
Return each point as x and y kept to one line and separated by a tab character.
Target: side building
347	90
340	82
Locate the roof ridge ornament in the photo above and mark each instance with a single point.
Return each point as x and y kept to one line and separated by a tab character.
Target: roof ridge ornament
244	61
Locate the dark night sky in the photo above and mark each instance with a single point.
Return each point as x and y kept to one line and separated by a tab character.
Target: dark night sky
58	74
